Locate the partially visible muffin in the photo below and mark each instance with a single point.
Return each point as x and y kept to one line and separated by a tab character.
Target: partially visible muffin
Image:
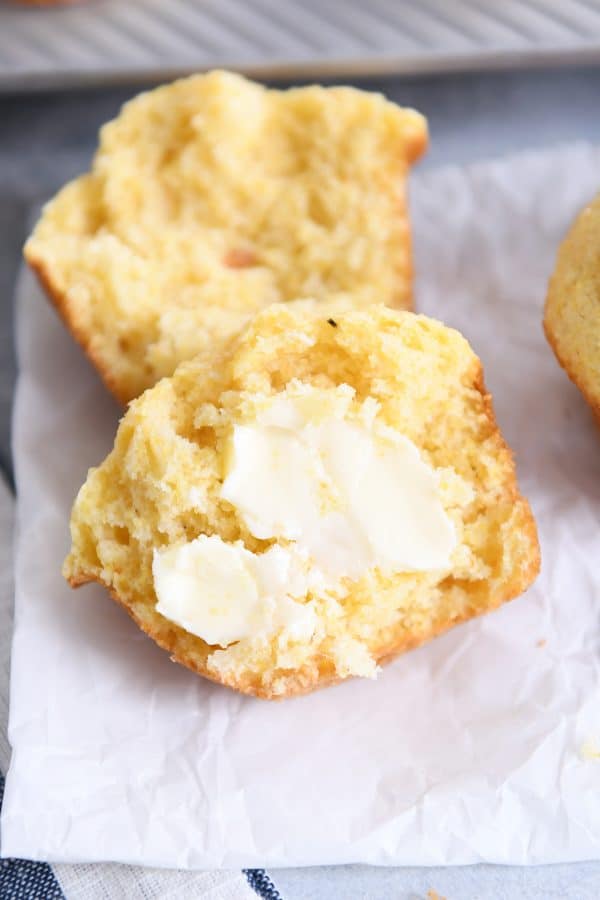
213	197
572	313
305	501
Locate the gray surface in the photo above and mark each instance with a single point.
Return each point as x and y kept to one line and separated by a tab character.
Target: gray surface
46	139
74	44
575	882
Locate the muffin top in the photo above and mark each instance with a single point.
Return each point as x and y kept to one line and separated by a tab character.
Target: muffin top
572	314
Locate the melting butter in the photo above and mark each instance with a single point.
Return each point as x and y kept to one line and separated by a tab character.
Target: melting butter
223	593
352	496
346	495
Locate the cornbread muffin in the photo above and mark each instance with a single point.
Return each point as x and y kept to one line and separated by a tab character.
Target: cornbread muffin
210	467
213	197
572	314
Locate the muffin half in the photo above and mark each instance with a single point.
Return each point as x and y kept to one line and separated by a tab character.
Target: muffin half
214	197
304	502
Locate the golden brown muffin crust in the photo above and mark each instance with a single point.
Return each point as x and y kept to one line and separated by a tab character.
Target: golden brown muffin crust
572	312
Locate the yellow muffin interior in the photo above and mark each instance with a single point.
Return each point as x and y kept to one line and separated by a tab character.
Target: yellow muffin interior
572	314
160	486
213	197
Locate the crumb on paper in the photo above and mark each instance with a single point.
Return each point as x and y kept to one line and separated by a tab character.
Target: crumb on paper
541	643
590	750
433	895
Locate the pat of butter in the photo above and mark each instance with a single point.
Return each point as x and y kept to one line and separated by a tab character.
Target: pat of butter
351	495
223	593
347	494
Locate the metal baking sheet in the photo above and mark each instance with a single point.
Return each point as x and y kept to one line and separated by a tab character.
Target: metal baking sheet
108	41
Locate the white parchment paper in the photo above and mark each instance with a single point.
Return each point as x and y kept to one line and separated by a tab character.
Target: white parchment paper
468	749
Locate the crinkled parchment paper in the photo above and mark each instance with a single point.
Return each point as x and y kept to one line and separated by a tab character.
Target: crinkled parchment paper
475	747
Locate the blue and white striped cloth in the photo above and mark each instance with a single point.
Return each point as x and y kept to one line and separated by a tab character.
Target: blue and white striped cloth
24	880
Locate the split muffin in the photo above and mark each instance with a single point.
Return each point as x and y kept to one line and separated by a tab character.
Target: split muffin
305	501
213	197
